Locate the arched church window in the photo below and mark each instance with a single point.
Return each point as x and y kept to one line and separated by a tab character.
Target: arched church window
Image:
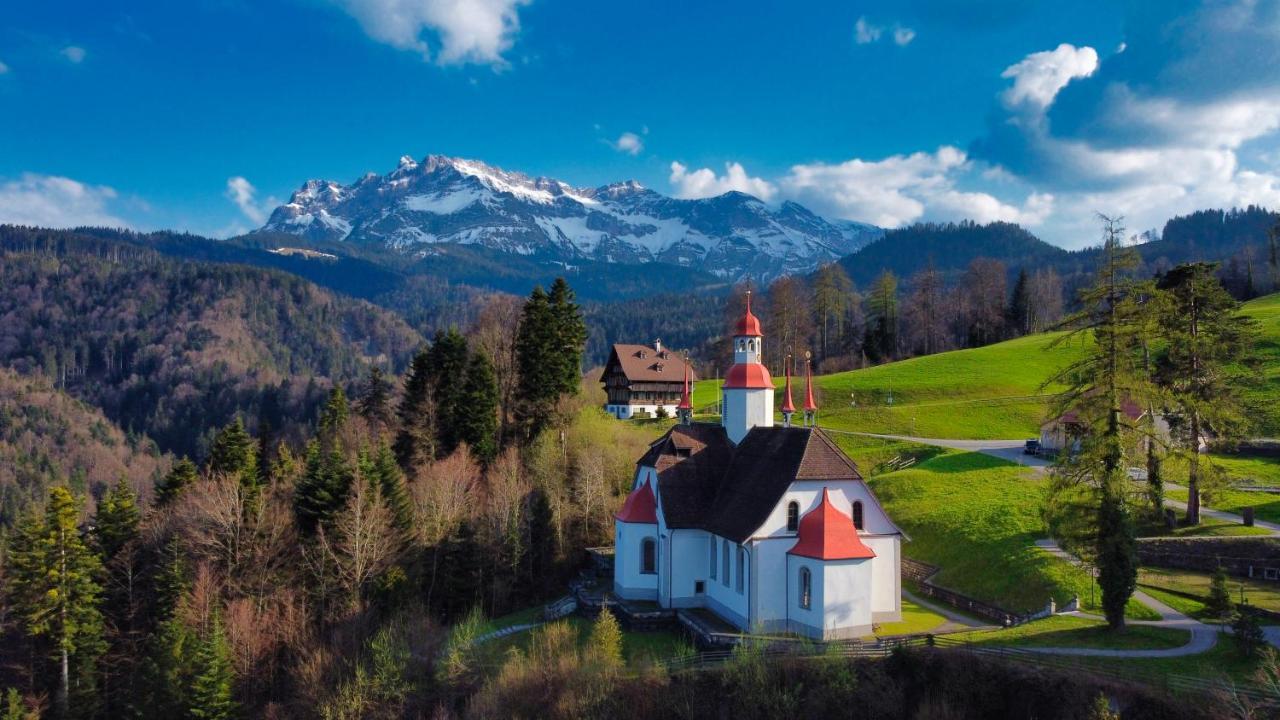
793	516
806	588
712	545
724	552
857	514
648	556
741	580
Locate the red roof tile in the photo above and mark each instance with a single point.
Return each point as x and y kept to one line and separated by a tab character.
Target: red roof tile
641	506
749	324
828	534
748	376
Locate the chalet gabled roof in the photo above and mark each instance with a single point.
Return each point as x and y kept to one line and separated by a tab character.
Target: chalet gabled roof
641	363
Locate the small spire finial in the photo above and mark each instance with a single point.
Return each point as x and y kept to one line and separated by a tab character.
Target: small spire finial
788	407
685	408
810	406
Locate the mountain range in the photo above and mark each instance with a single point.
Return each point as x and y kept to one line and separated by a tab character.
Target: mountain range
422	208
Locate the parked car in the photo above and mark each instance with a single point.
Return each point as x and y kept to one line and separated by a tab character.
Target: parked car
1032	447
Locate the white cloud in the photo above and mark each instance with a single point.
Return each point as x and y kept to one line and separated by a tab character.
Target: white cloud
628	142
1039	76
466	31
58	202
74	54
241	192
705	183
865	33
901	189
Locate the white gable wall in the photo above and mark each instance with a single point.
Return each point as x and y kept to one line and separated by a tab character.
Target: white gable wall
846	598
628	581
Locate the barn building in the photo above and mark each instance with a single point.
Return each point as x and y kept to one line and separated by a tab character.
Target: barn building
638	380
770	527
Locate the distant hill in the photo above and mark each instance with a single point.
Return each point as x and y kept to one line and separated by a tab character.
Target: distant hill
175	349
47	437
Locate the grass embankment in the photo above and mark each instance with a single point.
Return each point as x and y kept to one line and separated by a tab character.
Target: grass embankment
915	619
637	647
1187	591
977	518
1077	632
1266	311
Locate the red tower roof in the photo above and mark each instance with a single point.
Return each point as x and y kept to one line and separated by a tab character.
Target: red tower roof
641	506
749	324
787	405
828	534
809	404
685	402
748	376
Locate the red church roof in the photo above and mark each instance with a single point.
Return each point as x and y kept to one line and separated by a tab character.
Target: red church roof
641	506
685	402
748	376
809	404
749	324
787	405
828	534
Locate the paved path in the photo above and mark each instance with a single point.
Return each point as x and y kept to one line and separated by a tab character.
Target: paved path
1218	514
1010	450
510	630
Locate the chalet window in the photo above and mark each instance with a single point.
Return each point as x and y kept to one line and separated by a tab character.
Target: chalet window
806	588
712	545
793	516
648	556
857	514
724	578
742	569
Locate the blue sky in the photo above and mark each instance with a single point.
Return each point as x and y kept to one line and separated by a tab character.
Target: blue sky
201	115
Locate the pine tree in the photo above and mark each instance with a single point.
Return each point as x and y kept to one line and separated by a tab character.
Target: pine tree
181	476
171	578
1249	636
606	639
1204	365
882	318
1219	603
1108	377
234	454
460	571
117	519
537	387
449	367
322	491
416	438
211	683
541	542
374	403
383	471
570	337
477	418
167	671
52	586
1020	305
335	413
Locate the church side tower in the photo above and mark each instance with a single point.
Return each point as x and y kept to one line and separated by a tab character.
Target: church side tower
748	389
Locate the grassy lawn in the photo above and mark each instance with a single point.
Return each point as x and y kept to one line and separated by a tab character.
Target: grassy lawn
1068	631
1258	593
977	518
1266	311
1266	506
1222	661
871	453
915	619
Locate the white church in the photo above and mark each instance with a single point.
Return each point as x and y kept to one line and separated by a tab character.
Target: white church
770	527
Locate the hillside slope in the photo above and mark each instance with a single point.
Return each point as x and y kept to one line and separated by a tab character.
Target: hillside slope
48	437
175	349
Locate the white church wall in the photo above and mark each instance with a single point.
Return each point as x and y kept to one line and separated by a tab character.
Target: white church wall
626	412
886	577
628	581
687	563
722	592
846	598
745	409
771	588
843	493
799	619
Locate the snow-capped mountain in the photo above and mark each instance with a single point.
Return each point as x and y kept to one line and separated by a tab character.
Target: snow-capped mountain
451	200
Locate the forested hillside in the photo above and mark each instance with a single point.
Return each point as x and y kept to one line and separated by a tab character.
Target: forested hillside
48	437
173	349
